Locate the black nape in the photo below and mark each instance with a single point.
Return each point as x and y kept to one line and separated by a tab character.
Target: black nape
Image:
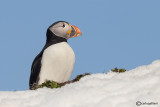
53	39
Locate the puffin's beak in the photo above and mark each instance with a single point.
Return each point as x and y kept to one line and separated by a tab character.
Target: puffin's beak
77	31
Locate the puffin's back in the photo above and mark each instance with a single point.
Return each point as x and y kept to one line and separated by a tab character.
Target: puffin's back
35	70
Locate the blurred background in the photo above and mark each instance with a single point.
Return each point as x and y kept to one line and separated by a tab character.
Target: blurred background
115	33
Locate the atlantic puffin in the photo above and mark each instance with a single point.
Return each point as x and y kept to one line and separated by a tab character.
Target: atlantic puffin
56	60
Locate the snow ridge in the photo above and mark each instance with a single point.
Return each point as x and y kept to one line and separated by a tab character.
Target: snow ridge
97	90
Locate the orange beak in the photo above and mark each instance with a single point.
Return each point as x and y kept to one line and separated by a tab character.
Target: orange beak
78	32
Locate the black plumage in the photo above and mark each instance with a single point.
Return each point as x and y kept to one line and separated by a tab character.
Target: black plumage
36	65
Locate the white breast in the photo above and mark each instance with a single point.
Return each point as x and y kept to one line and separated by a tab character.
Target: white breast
57	63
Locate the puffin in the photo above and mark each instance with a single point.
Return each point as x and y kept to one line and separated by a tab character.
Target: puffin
56	60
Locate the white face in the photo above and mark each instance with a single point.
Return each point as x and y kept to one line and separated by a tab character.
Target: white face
61	29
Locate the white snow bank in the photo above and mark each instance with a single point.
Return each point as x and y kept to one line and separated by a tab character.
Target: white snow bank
97	90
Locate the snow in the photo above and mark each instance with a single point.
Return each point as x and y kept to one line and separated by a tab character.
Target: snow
96	90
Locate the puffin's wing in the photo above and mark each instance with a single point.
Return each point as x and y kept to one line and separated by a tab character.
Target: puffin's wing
35	70
36	67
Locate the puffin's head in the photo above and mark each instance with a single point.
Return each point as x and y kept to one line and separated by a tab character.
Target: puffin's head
64	29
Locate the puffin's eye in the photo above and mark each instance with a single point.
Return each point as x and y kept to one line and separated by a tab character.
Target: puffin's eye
63	25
